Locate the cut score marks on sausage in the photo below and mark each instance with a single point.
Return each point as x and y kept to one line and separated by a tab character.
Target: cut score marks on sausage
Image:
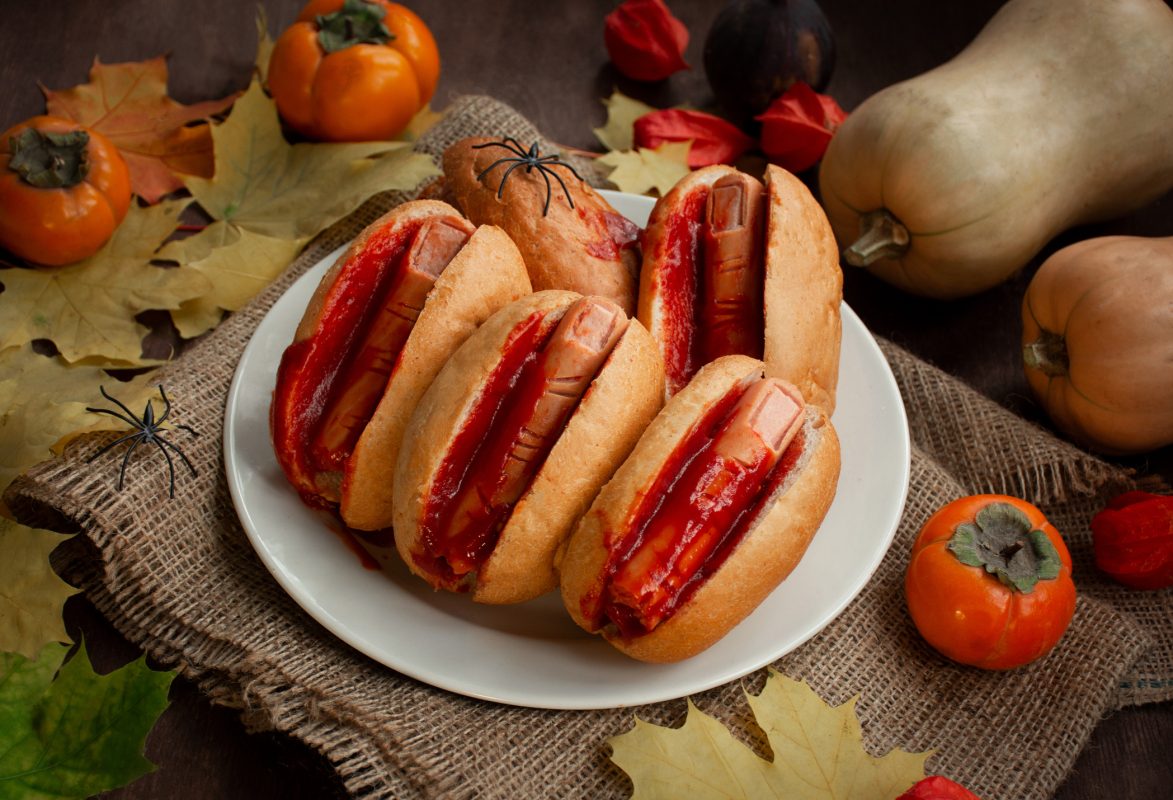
524	406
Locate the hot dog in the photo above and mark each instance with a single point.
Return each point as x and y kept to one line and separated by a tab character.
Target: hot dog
711	511
570	237
410	288
512	440
732	267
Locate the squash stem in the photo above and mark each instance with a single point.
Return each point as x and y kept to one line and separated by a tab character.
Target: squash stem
881	235
1047	354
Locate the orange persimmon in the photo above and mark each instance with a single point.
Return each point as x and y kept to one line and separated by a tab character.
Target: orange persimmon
353	70
63	190
989	582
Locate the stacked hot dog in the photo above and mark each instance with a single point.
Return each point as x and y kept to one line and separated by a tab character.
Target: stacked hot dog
472	379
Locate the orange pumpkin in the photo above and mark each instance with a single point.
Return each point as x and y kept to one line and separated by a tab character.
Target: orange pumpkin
353	70
1097	334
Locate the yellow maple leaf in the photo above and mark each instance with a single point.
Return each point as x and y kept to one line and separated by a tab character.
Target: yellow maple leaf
640	171
424	120
129	105
267	186
818	754
237	262
264	46
88	309
31	594
622	112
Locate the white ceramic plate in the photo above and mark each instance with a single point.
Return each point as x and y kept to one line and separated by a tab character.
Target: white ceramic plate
532	654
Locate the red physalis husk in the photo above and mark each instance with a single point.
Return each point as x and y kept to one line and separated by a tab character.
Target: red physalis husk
798	125
937	787
644	40
714	140
1133	540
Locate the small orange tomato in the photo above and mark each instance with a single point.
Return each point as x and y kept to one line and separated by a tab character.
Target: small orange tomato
63	190
989	582
353	70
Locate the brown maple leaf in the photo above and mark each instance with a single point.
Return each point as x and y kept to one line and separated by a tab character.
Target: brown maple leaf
128	103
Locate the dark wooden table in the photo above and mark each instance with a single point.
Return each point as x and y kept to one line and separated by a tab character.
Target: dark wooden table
547	59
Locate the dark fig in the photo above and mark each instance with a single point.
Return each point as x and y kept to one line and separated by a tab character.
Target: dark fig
757	48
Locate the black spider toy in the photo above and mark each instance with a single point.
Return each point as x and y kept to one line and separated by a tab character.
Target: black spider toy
146	429
531	160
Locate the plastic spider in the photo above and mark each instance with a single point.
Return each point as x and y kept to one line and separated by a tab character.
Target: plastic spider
531	160
147	429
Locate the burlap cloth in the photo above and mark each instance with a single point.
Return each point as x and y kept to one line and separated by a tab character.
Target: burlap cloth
180	579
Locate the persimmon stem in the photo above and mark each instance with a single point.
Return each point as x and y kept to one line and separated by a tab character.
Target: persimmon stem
50	160
881	235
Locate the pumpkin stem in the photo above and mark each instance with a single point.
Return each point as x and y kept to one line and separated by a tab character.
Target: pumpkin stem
1002	541
1047	354
881	235
357	22
50	160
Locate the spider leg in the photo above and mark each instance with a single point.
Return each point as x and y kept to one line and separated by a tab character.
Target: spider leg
116	402
125	459
515	145
573	171
501	188
170	465
490	168
132	421
549	191
562	183
187	428
177	452
166	406
114	443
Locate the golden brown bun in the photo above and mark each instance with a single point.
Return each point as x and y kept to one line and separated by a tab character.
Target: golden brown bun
804	289
486	275
624	396
803	282
653	308
763	559
328	484
567	248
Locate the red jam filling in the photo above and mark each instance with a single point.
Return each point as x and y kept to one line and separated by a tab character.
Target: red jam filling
699	508
309	371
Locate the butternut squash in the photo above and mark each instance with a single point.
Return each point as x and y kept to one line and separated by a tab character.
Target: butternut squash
1097	334
1060	112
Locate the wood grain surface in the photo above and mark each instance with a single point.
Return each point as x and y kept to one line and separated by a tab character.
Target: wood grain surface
547	60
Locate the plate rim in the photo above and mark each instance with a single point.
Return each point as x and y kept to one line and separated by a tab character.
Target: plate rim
309	603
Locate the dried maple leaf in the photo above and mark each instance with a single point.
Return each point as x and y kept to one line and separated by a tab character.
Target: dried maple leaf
34	424
267	186
268	198
818	754
622	112
88	308
31	595
264	45
237	262
642	170
128	103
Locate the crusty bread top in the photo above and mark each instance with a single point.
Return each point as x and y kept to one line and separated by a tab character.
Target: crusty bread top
566	248
768	552
621	401
485	275
587	552
446	403
803	292
403	213
655	305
